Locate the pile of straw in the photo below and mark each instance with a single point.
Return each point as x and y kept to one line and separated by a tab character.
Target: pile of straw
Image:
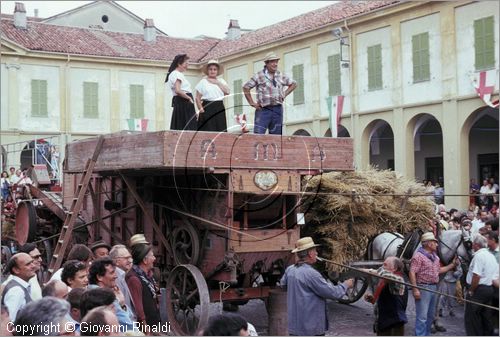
353	207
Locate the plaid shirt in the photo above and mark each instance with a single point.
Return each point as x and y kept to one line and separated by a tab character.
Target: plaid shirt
269	91
426	271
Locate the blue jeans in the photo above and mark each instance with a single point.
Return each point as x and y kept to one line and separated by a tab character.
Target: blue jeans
425	308
269	117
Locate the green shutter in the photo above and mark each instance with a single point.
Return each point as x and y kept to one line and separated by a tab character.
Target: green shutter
484	43
421	57
375	67
39	98
238	97
90	100
136	101
334	77
298	76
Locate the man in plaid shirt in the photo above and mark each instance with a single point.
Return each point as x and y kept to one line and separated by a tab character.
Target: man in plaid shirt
269	84
424	272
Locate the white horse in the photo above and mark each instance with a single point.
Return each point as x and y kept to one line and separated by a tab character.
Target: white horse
451	243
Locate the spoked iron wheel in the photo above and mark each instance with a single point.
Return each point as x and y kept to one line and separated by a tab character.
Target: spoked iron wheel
186	244
187	300
355	293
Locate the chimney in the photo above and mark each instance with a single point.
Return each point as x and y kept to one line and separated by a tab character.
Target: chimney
233	31
20	15
149	30
36	12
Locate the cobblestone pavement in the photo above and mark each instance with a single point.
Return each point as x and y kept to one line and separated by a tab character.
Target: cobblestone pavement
351	320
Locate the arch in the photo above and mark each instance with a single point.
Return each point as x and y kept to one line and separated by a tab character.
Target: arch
426	143
342	132
301	132
378	144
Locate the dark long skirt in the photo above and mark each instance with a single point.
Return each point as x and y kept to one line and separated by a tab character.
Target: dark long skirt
214	117
183	114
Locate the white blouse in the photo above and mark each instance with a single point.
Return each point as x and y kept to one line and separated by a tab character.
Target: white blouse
210	91
177	75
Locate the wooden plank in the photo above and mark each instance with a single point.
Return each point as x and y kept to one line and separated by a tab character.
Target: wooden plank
268	240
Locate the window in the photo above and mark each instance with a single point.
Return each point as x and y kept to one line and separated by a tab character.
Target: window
90	100
298	76
421	64
484	43
238	97
375	67
136	101
334	84
39	98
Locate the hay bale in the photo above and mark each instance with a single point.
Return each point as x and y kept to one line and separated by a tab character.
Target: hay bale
344	224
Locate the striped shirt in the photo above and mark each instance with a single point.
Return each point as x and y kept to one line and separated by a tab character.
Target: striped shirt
269	91
426	271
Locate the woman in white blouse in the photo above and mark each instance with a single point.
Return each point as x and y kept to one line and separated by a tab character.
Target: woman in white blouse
210	93
183	114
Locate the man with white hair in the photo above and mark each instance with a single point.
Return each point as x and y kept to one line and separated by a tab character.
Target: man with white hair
123	261
483	271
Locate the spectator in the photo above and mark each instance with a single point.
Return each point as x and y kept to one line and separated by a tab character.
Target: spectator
493	243
100	249
5	184
55	288
429	190
424	272
102	274
35	289
447	286
100	321
74	300
123	261
480	222
307	291
74	274
226	325
439	194
483	270
390	299
493	185
14	178
142	286
16	293
79	252
93	298
487	191
4	322
137	239
45	317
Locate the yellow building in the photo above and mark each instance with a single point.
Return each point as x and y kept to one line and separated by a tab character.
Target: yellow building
405	70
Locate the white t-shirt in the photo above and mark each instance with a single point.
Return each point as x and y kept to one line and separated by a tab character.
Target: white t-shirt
210	91
177	75
485	265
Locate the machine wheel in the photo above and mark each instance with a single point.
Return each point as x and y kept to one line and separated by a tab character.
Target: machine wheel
355	293
26	222
186	244
187	300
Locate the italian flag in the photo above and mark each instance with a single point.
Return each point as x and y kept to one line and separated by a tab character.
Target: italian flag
136	124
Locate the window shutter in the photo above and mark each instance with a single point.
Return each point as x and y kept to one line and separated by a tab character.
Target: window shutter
334	75
136	101
421	57
375	67
484	43
90	100
39	98
298	76
238	97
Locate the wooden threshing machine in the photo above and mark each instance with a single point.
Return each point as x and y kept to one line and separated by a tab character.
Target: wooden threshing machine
221	209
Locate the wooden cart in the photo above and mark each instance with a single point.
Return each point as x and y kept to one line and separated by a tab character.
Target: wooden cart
221	209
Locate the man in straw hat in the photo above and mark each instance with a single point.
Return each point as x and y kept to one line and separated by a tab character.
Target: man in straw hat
424	272
307	292
269	83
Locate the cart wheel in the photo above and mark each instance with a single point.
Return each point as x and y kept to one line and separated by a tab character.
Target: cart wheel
187	300
355	293
186	244
26	222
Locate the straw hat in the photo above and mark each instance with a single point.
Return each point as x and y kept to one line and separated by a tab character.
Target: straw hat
138	238
304	244
204	69
429	236
271	56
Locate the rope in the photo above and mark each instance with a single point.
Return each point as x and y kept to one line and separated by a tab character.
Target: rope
223	286
404	283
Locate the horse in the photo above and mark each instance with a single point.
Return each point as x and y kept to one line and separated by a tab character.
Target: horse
451	243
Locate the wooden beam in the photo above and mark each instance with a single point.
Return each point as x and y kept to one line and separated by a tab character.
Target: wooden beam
99	218
150	218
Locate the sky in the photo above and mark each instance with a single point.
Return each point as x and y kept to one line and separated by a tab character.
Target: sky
188	19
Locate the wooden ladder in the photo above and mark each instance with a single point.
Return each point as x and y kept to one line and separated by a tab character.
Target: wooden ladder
72	214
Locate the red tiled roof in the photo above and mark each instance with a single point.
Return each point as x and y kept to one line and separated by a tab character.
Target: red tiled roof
299	24
83	41
28	18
